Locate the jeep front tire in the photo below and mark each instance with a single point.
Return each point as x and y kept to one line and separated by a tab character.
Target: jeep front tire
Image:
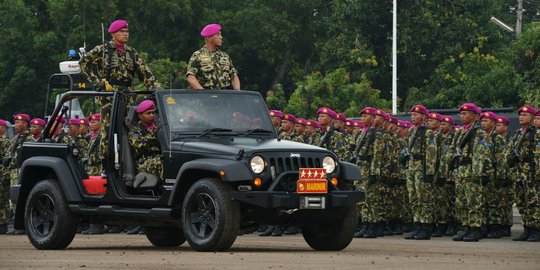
165	237
49	222
210	217
332	236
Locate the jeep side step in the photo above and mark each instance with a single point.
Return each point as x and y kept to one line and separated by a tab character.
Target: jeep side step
117	211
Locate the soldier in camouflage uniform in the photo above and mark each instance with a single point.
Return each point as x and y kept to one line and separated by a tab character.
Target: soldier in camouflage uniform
420	158
330	138
143	139
372	156
496	209
439	185
508	190
276	117
522	158
91	160
112	67
59	135
473	159
300	128
402	207
13	159
537	120
287	129
445	177
83	130
312	132
209	67
4	179
36	128
78	141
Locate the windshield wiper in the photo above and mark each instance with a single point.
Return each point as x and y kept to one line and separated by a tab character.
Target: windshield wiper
257	130
211	130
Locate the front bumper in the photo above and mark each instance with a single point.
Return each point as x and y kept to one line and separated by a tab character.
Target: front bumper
284	200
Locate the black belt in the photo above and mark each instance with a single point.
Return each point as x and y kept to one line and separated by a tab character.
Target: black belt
417	157
526	160
465	161
120	83
365	157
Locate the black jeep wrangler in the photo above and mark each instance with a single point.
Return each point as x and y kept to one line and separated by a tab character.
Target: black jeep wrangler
223	167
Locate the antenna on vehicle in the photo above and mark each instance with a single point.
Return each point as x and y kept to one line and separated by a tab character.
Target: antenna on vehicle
170	129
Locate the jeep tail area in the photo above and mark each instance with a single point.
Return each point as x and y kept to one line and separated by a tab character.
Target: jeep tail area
223	167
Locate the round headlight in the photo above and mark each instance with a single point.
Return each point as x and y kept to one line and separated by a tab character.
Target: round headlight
257	164
329	164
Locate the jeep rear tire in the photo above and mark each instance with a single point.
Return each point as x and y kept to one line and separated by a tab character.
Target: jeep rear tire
334	236
210	217
49	222
165	236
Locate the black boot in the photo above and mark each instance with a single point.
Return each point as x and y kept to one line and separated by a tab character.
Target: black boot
415	231
291	230
425	232
95	229
389	228
371	231
3	228
524	236
507	230
534	235
278	230
407	227
135	230
398	227
268	231
380	227
363	229
460	234
439	231
451	230
115	229
474	235
495	231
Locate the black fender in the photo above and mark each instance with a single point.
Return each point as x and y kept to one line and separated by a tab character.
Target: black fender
208	167
349	171
35	169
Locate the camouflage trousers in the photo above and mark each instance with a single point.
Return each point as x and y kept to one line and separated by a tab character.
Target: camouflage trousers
399	204
361	207
498	207
4	195
528	203
105	104
474	204
93	170
441	207
13	180
460	212
421	197
375	202
151	165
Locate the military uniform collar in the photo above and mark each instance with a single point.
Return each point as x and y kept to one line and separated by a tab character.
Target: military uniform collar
206	50
111	44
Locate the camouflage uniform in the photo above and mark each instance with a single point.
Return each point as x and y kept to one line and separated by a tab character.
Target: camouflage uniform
4	183
399	207
290	136
121	69
92	161
526	145
442	188
421	171
473	169
14	155
374	171
213	70
147	151
80	143
334	143
316	136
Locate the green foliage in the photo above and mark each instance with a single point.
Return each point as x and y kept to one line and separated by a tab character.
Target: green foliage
334	90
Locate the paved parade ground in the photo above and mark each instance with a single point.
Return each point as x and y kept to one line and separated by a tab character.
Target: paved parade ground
120	251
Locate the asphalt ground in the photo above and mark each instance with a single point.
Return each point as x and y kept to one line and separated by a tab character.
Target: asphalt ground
121	251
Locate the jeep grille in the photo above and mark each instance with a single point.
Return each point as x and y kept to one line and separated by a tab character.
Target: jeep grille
281	165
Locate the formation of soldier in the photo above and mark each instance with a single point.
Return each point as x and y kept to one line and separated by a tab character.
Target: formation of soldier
430	178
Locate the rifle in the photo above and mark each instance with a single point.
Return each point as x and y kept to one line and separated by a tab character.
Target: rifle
457	159
95	142
325	140
360	144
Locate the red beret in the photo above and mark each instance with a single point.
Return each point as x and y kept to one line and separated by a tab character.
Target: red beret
504	120
290	117
276	113
61	119
95	117
448	119
381	113
349	122
394	120
3	123
117	25
490	115
37	121
210	30
22	116
527	109
74	121
368	110
312	123
420	109
145	105
358	124
341	117
434	115
84	121
301	121
327	111
470	107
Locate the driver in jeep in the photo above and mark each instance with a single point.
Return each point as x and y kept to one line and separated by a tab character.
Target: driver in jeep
146	148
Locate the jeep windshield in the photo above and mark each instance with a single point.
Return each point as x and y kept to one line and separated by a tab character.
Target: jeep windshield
207	113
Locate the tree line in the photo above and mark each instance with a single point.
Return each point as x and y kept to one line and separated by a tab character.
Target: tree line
299	54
